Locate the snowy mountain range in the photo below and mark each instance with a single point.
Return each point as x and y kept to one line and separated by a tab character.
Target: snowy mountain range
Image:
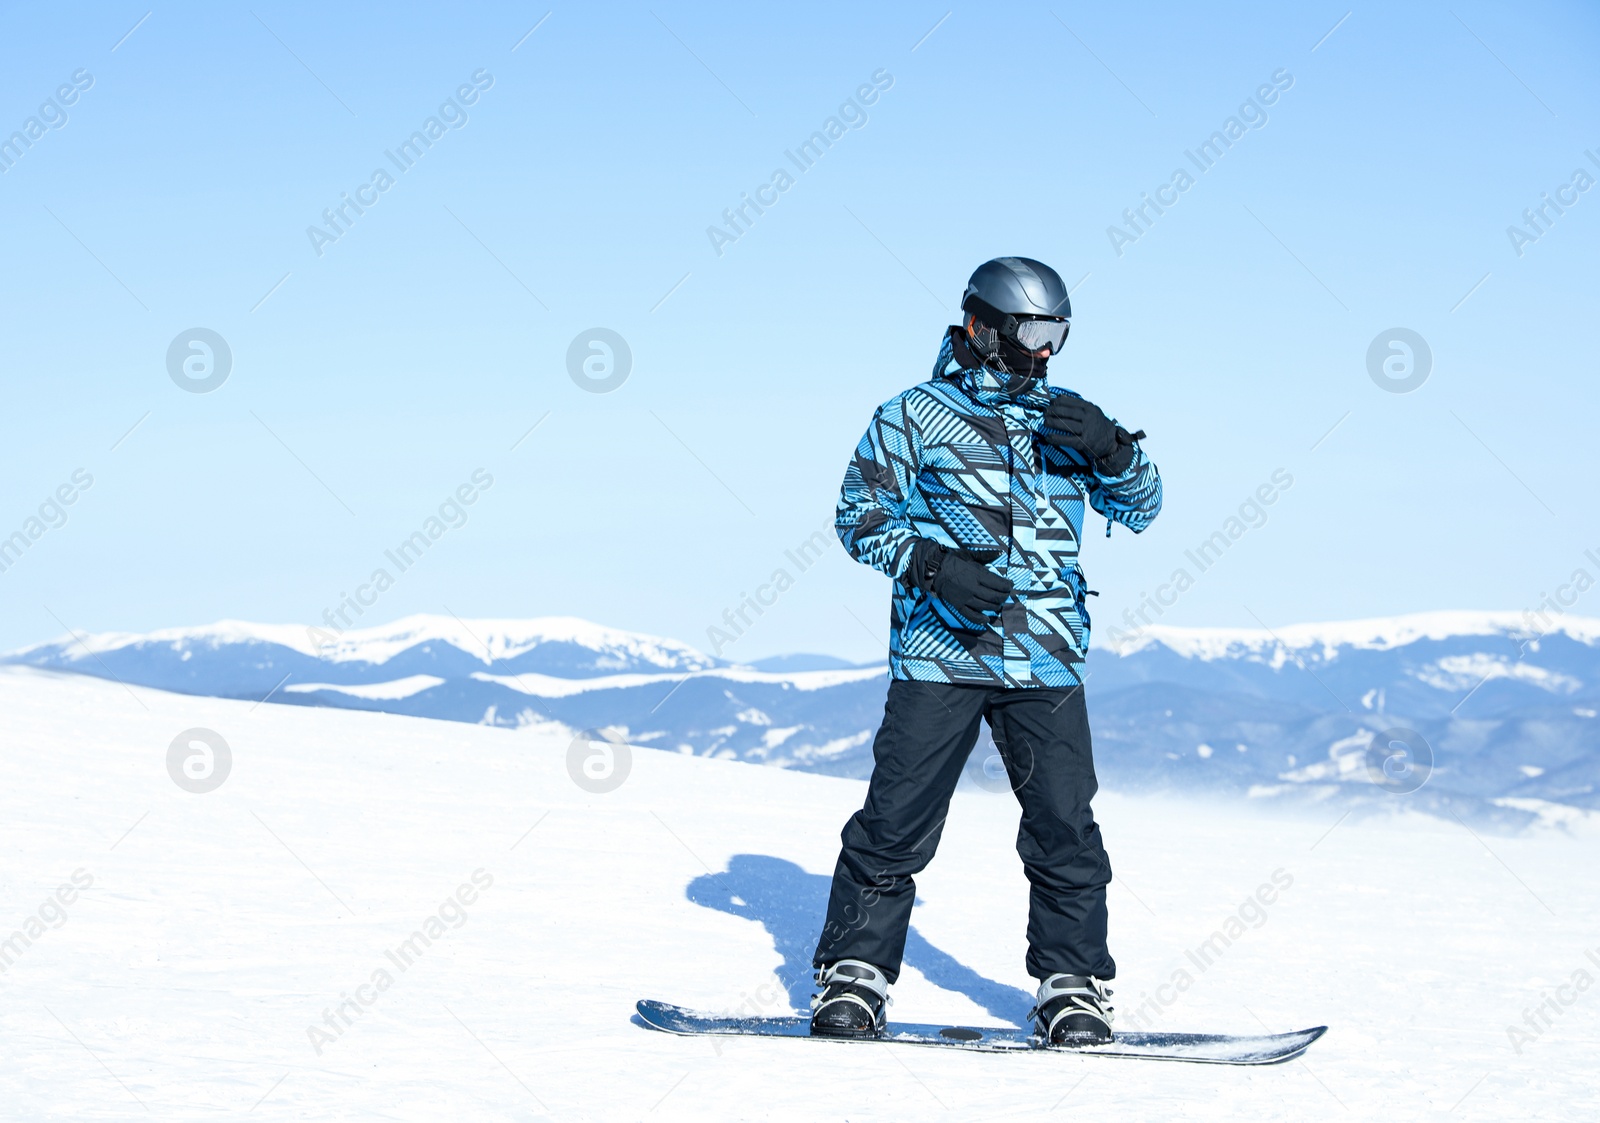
1508	718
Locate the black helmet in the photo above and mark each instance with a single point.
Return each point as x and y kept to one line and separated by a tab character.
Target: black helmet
1006	293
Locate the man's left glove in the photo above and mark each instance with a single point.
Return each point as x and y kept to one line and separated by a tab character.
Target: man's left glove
1079	424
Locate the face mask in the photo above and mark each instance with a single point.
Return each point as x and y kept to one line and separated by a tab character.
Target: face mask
1024	367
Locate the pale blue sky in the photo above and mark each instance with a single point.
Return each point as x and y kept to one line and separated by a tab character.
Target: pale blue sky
419	347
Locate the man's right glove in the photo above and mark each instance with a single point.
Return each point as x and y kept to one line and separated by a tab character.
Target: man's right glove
1080	424
959	578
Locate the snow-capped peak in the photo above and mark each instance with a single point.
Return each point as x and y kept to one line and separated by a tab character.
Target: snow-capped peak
494	640
487	640
1376	634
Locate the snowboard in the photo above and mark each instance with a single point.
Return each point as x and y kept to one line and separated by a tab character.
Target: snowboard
1200	1048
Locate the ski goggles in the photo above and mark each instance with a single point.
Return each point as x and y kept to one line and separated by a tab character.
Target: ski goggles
1036	335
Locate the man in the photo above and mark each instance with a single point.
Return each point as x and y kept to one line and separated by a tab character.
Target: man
969	491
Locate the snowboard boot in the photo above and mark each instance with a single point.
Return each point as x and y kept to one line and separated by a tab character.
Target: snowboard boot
1072	1010
854	995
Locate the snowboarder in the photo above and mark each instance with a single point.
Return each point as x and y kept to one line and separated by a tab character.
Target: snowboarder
968	490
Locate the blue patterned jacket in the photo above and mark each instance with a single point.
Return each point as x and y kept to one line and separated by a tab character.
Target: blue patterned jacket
956	460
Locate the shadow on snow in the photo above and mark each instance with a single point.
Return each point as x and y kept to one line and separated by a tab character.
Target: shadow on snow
789	903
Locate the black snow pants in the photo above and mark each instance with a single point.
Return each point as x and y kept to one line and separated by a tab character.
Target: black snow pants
929	729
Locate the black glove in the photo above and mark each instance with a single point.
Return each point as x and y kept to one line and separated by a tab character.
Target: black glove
1079	424
959	578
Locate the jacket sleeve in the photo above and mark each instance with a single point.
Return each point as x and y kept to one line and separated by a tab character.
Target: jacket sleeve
871	517
1132	498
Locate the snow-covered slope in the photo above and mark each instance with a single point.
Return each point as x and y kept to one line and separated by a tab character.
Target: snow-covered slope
209	933
1506	715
